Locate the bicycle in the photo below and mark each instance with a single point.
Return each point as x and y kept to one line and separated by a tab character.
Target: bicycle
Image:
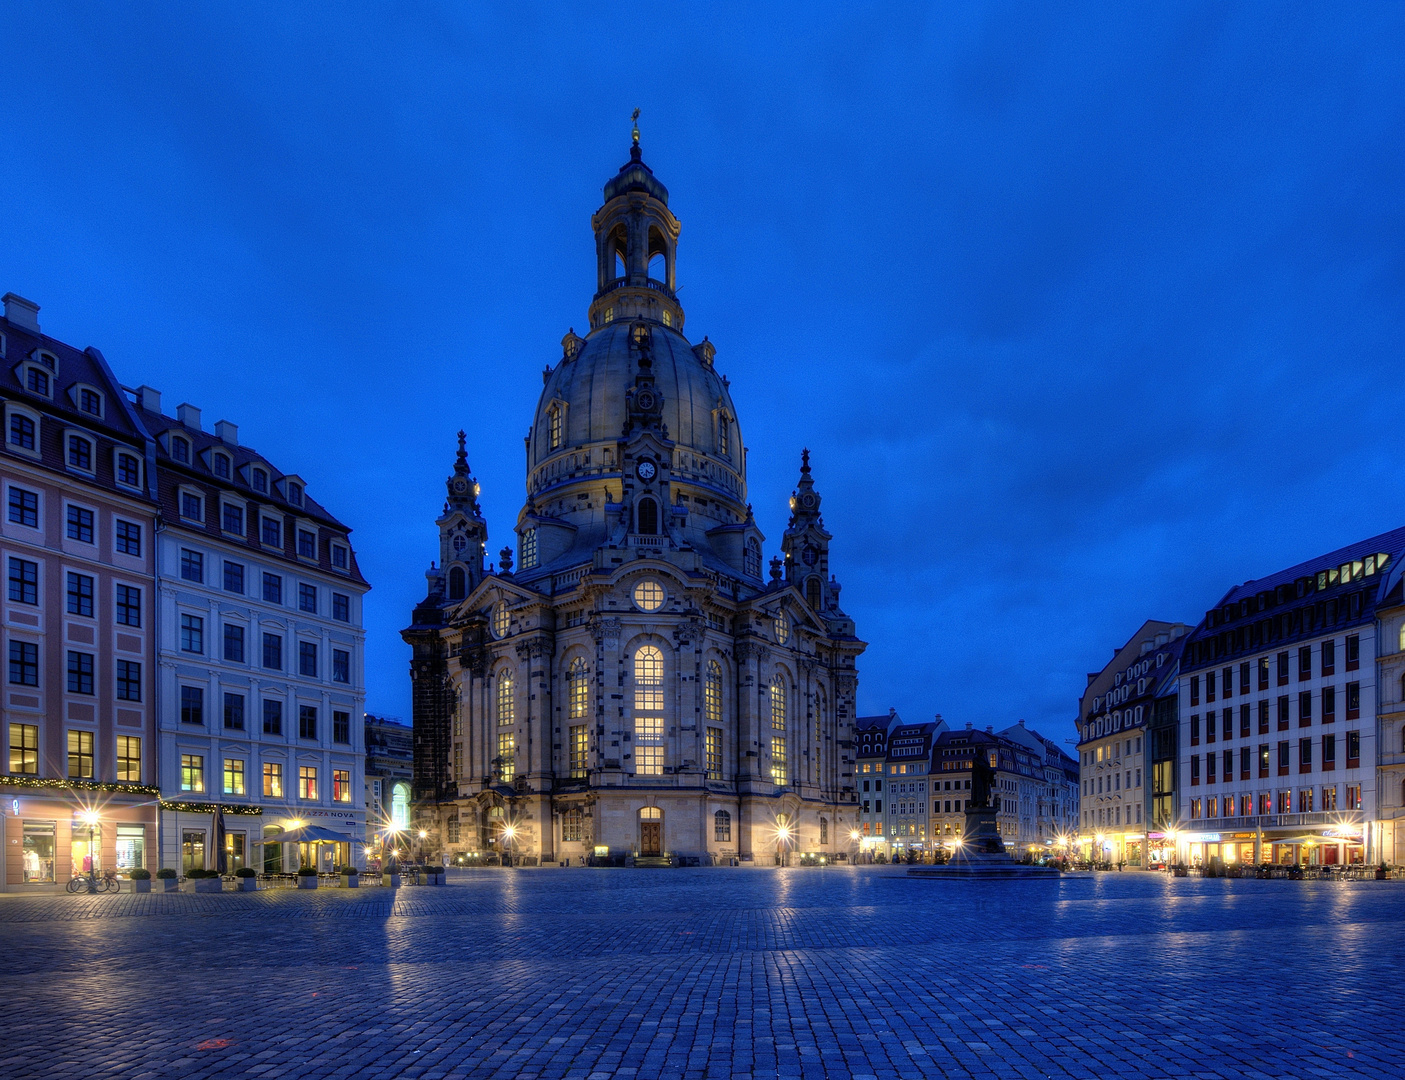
104	882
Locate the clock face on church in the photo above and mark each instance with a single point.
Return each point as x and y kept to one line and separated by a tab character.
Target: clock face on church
460	486
645	470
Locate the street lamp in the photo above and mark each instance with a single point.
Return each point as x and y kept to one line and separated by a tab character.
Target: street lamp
782	838
508	832
422	835
90	817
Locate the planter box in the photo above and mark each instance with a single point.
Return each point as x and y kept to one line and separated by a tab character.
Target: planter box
248	884
209	885
434	879
351	881
307	881
168	884
391	880
141	886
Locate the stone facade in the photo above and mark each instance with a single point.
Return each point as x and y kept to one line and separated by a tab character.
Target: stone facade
637	686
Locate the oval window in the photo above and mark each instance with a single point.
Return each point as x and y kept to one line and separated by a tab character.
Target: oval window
648	595
502	620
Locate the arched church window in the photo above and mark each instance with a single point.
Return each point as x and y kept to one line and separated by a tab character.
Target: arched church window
507	700
554	427
529	549
824	830
578	689
456	583
782	626
648	709
502	620
400	806
812	593
722	441
778	702
712	693
751	563
722	827
648	517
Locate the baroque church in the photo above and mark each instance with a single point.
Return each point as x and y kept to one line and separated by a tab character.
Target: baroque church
632	682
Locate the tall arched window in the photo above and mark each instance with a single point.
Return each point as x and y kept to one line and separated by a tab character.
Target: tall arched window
712	693
507	737
554	427
723	443
648	710
751	565
648	517
578	693
778	702
812	593
779	770
507	700
722	827
456	584
400	806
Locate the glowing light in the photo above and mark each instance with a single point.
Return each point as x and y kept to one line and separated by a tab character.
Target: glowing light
509	831
423	834
90	817
783	832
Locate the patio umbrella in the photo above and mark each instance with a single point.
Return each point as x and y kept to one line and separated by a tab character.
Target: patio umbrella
221	856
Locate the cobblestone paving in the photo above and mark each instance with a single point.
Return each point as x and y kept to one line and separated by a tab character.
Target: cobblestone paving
711	974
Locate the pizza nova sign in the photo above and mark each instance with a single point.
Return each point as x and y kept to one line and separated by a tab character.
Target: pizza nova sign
1110	711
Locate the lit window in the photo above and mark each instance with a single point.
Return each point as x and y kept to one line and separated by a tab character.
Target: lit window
192	772
128	759
648	679
667	317
507	700
507	756
714	753
273	779
782	629
307	782
578	691
579	744
554	426
341	785
778	703
24	749
778	771
648	595
233	776
502	620
712	693
609	315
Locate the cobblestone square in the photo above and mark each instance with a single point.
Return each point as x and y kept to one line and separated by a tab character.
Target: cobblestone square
812	973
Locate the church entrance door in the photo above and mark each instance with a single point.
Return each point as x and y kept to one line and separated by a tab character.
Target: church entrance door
651	838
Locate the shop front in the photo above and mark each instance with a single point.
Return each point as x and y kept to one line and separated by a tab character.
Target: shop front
188	836
51	835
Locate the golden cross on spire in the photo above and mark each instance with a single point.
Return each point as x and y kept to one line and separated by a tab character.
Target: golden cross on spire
635	132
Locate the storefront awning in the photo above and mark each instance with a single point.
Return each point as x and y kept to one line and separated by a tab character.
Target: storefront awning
308	834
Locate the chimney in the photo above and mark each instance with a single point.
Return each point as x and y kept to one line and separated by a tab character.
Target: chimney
188	415
990	728
227	433
21	312
1021	723
968	725
148	399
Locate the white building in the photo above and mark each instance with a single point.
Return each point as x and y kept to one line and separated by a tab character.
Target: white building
260	689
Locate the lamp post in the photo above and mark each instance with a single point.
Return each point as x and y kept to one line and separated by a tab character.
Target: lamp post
782	836
422	835
90	817
508	832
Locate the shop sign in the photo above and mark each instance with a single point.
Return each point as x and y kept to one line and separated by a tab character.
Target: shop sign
1201	837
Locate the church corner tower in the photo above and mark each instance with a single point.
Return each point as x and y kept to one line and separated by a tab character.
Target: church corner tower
630	687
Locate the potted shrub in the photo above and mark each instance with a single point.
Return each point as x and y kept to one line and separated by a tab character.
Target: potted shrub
350	877
1381	871
141	880
248	879
168	879
205	881
307	877
434	874
390	877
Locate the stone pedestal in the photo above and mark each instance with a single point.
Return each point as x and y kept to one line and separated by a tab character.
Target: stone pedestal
982	854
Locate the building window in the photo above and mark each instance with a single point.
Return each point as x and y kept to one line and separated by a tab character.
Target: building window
272	589
1329	753
341	728
24	663
529	549
578	742
272	717
80	754
24	749
24	581
128	470
751	561
341	607
128	606
453	828
341	785
21	432
129	759
272	780
24	507
233	776
307	722
260	480
554	427
1353	753
341	666
722	827
713	748
578	689
648	595
1353	652
1353	700
648	679
457	584
234	712
294	493
648	517
233	519
272	534
341	557
572	826
778	769
192	507
507	701
722	440
80	524
192	772
712	693
234	577
307	659
234	643
192	565
507	756
180	450
782	628
80	453
192	705
307	782
778	703
273	652
824	830
128	680
192	634
502	620
80	673
37	381
648	702
307	597
307	544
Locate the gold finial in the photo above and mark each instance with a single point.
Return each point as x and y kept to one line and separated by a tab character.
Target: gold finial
635	132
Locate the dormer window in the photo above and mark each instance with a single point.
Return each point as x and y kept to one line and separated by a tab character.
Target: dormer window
307	544
222	466
129	470
90	401
22	431
80	453
233	519
340	557
260	480
48	360
295	493
180	450
37	381
192	506
272	532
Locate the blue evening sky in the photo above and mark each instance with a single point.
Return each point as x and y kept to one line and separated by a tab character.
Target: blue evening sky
1085	313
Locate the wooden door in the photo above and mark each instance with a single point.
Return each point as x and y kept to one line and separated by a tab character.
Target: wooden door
650	838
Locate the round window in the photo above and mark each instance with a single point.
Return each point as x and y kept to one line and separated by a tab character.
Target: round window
502	620
648	595
782	629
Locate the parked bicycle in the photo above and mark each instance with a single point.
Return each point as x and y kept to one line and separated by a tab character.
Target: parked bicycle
104	882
